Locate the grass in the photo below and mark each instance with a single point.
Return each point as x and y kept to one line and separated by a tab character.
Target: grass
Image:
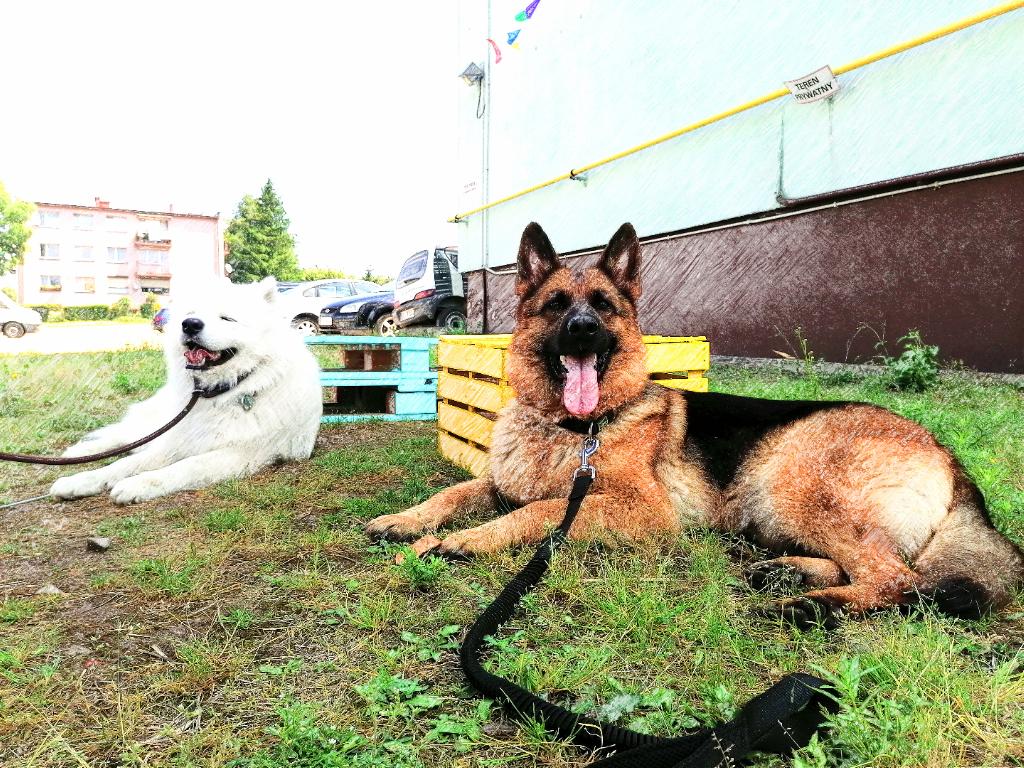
43	397
253	625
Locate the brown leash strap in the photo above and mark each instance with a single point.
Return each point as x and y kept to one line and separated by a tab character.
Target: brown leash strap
65	460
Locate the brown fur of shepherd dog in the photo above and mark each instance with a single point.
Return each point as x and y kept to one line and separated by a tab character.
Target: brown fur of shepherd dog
861	504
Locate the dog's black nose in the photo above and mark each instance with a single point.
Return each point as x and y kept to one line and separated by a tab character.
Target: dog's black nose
582	326
191	326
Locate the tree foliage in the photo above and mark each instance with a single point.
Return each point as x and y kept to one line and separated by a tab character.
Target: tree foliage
258	241
373	278
322	273
14	230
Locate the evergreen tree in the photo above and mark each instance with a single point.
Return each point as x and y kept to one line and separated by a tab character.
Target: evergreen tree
14	230
258	240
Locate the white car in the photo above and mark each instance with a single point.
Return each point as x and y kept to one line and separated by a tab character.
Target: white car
16	320
302	302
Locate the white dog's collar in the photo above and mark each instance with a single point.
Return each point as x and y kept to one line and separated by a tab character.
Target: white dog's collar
220	389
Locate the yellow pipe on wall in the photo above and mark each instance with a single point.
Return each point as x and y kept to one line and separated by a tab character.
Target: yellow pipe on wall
856	64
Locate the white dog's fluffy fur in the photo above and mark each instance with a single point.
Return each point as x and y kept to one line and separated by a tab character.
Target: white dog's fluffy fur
270	413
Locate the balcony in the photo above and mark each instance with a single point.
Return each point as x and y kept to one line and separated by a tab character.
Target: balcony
145	240
152	270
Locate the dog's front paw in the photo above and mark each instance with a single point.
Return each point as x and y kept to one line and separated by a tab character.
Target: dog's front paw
132	490
462	545
77	486
397	527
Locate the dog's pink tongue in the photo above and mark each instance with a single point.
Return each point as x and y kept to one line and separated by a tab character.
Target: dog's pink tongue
199	356
581	391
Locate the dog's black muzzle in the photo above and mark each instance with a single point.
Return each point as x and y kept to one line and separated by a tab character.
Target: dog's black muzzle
582	333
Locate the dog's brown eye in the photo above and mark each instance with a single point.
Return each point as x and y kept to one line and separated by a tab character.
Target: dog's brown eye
600	302
557	303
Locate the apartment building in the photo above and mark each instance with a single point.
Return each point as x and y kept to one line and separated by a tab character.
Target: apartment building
82	254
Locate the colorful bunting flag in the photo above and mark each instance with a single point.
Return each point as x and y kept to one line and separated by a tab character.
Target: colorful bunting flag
497	51
531	8
513	35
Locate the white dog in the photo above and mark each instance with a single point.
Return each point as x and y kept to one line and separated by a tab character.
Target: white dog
262	401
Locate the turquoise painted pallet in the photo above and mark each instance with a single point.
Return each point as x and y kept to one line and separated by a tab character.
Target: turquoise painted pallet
373	377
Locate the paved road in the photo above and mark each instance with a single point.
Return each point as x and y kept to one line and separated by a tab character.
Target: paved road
82	337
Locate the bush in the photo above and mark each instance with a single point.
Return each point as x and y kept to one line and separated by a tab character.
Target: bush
149	307
120	308
917	368
46	311
88	312
9	292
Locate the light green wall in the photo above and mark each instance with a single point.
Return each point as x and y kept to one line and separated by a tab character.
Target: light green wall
593	78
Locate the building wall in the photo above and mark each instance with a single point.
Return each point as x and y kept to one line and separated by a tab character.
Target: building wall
114	254
591	79
945	260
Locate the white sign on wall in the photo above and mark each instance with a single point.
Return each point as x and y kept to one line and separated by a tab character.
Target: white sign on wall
816	86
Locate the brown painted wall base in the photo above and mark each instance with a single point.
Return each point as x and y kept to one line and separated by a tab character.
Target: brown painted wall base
949	261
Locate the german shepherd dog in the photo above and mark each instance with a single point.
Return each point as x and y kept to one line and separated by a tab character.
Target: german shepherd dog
863	506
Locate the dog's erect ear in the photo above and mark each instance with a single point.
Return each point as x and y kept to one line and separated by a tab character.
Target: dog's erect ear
621	261
267	288
537	259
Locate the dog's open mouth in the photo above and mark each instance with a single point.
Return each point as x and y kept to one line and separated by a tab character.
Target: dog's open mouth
581	380
199	358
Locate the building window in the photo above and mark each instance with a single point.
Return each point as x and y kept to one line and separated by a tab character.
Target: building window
49	251
156	286
118	285
49	282
117	223
82	220
83	253
49	218
117	255
154	231
152	257
85	285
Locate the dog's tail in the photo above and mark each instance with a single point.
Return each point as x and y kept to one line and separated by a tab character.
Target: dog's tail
968	567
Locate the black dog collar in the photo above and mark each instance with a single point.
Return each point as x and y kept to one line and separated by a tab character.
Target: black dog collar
220	389
587	426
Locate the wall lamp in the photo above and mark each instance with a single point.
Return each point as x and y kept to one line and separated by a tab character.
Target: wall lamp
473	74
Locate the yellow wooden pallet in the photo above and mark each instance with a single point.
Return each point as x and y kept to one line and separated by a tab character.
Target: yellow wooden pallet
472	386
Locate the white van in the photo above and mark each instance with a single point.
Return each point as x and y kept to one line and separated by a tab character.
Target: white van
429	290
16	320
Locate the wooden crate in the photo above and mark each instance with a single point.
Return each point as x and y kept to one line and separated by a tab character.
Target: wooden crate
372	377
472	386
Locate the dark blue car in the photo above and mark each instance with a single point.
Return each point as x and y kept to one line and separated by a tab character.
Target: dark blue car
370	310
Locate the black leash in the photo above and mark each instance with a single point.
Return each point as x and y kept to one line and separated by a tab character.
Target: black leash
780	720
198	394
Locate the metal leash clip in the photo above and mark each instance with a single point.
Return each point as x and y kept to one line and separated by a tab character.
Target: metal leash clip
588	449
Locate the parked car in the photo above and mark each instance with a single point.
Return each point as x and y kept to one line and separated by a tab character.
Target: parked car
372	310
302	302
430	290
16	320
160	319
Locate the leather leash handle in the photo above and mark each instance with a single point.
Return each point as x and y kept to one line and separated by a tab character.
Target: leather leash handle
66	460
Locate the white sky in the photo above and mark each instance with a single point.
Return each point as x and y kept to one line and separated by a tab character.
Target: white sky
349	107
